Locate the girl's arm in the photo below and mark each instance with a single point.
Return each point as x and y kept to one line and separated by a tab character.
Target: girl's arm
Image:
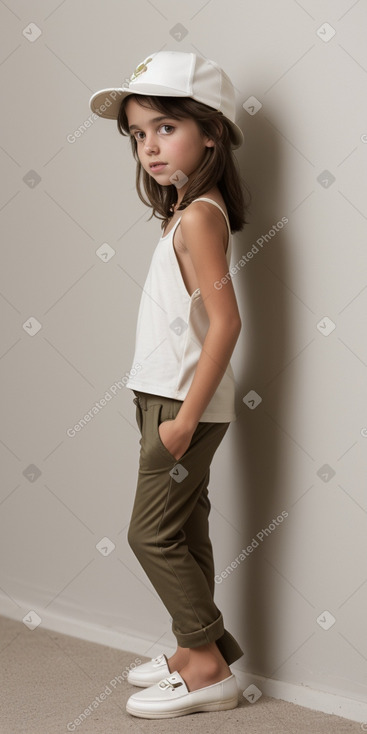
204	241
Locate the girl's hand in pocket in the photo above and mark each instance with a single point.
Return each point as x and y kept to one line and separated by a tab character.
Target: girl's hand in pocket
175	441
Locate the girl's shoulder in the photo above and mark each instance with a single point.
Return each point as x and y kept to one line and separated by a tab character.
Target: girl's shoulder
199	205
197	213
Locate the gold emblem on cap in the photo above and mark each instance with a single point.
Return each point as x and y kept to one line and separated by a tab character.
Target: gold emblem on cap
140	69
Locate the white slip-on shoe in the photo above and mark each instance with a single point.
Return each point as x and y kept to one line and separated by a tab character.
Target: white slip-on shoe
147	674
171	697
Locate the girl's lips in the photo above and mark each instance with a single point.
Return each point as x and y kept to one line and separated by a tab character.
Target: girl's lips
158	167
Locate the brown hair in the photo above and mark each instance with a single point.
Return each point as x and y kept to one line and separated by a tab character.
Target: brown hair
218	168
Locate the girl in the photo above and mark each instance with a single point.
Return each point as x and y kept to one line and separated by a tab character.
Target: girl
178	110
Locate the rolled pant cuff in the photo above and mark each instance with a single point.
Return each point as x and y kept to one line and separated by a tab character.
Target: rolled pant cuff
229	648
203	636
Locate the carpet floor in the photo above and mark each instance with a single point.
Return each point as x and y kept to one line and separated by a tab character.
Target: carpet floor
49	679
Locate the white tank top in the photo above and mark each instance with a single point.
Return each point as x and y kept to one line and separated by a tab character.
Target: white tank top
170	332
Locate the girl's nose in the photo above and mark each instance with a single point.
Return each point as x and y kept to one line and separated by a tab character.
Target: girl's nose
150	144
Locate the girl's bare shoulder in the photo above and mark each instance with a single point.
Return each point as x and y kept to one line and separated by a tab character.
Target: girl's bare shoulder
214	195
198	214
199	210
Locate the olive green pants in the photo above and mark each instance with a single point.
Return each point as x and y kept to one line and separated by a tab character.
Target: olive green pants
169	526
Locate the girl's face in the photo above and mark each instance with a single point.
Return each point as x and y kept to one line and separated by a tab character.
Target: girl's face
178	145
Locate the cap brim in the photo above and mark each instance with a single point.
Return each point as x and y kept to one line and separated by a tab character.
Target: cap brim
106	103
238	135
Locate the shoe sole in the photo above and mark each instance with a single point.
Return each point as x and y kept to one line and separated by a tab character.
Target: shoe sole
230	703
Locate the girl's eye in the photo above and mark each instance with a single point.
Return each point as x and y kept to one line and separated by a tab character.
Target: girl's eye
170	127
167	132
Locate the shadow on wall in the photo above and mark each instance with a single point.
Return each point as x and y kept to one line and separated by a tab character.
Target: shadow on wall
264	344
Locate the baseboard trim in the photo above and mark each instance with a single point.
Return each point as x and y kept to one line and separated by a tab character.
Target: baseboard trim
317	700
314	699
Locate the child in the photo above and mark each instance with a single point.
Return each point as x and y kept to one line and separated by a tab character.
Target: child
178	110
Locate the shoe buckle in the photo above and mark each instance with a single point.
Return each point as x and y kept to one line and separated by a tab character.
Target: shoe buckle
169	683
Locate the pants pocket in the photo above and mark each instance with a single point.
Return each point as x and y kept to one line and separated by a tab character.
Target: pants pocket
138	414
161	416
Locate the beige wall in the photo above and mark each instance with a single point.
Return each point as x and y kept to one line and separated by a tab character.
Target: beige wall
302	450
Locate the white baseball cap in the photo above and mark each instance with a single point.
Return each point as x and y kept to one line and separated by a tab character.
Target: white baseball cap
174	74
